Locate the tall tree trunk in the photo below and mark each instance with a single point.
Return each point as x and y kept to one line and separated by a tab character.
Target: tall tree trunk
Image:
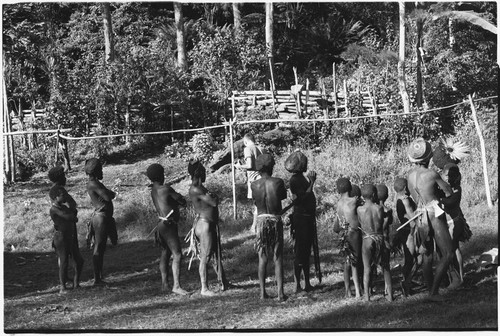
108	33
419	97
181	44
269	35
237	18
401	62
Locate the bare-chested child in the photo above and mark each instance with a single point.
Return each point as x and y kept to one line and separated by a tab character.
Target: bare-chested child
268	192
371	220
64	220
405	210
460	231
303	221
346	222
58	177
431	226
206	227
382	195
166	201
103	224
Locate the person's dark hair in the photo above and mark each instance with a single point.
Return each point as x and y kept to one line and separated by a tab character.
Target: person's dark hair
91	165
400	184
156	173
56	174
249	136
56	191
382	192
368	191
343	185
264	163
355	191
196	168
454	176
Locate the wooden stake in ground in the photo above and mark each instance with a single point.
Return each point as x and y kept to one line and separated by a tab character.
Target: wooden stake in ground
335	92
231	143
56	148
483	153
296	91
9	140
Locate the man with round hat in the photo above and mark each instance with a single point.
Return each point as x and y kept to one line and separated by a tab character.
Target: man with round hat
431	225
102	223
268	192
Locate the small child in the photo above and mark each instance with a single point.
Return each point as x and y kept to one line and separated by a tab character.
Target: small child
346	223
459	229
405	210
64	220
382	196
371	219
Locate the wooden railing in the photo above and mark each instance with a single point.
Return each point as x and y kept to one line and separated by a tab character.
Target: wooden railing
305	103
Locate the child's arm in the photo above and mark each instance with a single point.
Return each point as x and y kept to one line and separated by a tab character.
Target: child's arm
176	196
62	213
409	209
452	200
103	193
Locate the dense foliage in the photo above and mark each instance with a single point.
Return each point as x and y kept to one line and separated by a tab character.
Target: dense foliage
54	58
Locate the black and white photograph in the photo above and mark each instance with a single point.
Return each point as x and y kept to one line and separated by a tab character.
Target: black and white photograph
250	167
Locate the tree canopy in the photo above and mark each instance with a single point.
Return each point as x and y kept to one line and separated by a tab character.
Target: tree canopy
54	55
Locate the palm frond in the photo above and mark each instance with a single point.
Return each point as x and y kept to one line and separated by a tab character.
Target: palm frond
471	17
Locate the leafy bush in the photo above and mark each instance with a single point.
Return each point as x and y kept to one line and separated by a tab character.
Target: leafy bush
203	146
177	150
226	62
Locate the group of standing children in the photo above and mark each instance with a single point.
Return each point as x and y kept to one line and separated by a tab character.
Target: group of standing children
363	220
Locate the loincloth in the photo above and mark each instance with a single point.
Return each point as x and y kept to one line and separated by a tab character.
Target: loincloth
65	240
159	238
420	237
195	247
269	233
346	249
110	228
194	240
378	246
459	229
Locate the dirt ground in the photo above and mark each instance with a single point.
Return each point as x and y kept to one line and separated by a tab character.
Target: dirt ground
132	299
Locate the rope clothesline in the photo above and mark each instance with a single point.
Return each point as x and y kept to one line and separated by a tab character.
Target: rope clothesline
235	122
143	133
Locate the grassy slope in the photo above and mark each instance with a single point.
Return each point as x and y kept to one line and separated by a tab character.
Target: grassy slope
133	300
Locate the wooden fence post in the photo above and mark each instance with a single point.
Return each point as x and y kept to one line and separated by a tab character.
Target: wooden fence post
335	91
9	141
172	123
6	148
127	125
297	98
231	144
57	146
483	153
233	106
346	101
